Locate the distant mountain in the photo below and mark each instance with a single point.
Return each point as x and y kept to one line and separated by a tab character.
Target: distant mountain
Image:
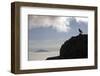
41	50
75	47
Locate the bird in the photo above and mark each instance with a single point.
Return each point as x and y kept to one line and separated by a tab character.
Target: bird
80	31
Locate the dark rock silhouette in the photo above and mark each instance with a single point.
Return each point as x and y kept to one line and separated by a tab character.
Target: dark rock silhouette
75	47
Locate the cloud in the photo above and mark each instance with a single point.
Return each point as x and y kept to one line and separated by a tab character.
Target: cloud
82	19
78	22
58	23
61	24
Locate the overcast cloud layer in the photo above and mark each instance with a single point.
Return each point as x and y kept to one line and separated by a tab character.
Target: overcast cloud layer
59	23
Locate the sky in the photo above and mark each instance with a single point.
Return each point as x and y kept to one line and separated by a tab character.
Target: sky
48	33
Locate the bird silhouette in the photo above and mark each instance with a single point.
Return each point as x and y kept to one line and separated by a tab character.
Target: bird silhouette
80	31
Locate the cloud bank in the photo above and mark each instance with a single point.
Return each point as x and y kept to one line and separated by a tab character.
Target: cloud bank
58	23
61	24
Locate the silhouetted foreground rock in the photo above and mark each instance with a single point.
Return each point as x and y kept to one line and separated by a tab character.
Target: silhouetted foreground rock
75	47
